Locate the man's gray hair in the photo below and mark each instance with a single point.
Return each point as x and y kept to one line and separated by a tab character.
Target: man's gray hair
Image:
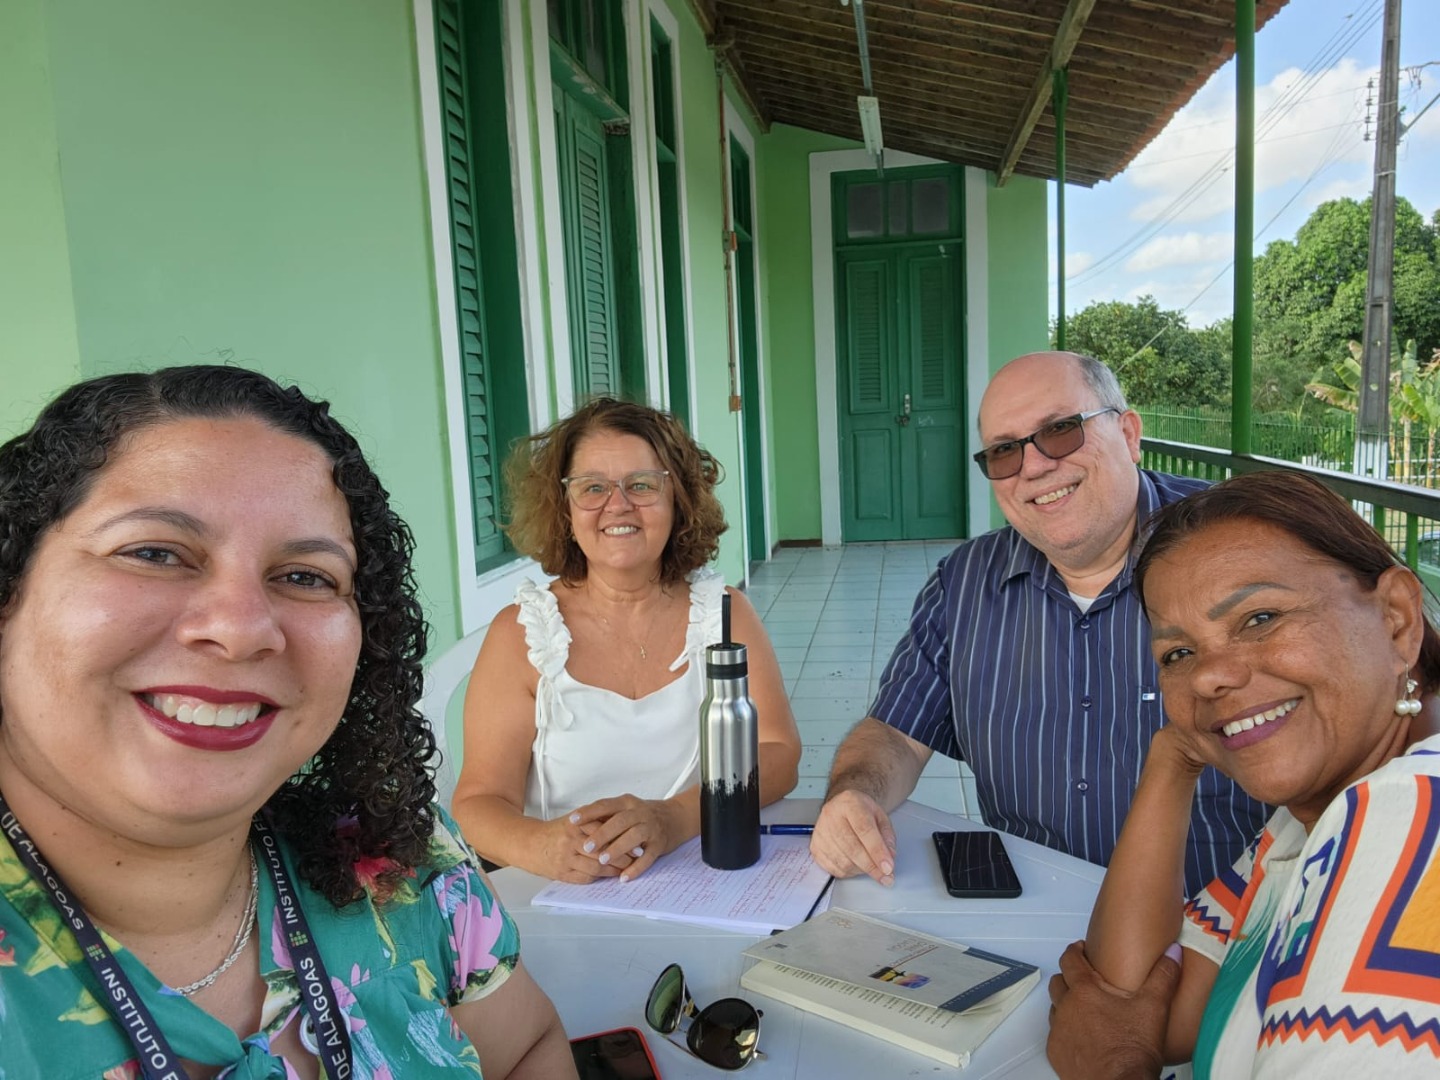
1102	381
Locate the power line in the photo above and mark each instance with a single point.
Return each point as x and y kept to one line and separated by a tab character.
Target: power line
1339	42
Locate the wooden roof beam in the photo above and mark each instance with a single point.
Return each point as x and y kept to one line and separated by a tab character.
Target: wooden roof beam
1072	25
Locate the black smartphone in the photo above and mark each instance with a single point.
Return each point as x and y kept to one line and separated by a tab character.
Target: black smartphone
975	864
614	1055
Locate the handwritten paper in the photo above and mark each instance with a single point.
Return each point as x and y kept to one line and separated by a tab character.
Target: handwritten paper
776	893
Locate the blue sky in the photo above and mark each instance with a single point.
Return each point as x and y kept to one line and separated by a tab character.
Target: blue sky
1164	226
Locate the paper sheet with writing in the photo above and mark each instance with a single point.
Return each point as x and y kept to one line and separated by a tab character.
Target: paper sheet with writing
774	894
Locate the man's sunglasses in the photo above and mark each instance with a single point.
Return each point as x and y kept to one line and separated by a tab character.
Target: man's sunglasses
725	1034
1057	439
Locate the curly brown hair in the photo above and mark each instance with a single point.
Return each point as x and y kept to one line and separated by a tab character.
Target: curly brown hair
367	793
539	523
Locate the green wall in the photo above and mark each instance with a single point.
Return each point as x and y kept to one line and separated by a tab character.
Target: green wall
38	349
1018	265
244	183
789	323
1019	260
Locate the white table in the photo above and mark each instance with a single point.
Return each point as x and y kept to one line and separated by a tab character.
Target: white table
599	968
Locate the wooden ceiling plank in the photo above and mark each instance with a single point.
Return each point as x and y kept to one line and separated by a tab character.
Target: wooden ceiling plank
1100	94
903	117
1137	62
1072	25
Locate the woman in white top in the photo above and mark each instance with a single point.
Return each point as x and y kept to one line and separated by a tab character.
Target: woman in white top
582	728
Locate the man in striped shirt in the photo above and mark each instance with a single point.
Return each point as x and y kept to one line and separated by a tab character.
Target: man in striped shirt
1028	652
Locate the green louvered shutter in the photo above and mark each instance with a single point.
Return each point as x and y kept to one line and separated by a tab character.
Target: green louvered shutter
592	303
870	460
464	241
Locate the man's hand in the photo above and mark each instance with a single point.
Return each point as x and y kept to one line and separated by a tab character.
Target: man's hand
1100	1032
853	835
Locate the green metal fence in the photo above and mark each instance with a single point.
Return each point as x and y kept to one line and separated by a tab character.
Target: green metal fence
1326	443
1407	515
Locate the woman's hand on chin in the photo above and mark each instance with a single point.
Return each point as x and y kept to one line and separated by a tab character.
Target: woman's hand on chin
629	833
1179	750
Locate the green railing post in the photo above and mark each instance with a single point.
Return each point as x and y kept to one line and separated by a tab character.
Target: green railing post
1412	541
1243	341
1060	100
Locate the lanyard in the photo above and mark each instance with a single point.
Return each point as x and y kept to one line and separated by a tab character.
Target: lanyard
157	1060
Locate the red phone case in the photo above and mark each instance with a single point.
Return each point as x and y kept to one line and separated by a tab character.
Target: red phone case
623	1041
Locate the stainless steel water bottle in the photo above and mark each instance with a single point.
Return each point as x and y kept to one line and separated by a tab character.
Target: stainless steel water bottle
729	758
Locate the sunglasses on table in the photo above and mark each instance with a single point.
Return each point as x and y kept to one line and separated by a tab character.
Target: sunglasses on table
590	492
725	1034
1057	439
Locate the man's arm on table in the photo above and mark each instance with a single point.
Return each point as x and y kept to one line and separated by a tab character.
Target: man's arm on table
875	770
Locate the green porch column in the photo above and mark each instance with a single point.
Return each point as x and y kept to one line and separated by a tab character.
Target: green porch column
1243	340
1060	99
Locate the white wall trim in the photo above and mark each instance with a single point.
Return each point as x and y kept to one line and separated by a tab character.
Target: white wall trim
552	236
523	182
480	596
977	333
823	165
663	15
647	197
736	128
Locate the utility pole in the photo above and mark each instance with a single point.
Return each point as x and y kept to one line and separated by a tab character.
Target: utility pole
1372	420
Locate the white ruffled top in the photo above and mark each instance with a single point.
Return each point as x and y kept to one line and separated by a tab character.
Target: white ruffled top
591	743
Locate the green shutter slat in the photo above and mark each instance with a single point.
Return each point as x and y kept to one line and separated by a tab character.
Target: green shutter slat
590	255
867	297
465	253
933	344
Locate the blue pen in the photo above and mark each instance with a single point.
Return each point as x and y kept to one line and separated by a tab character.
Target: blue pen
786	830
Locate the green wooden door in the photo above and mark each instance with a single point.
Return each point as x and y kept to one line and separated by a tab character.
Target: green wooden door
869	372
932	435
900	353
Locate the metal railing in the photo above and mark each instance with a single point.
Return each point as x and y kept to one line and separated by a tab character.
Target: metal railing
1407	516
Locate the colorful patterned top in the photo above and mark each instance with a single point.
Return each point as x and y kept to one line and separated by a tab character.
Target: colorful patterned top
443	938
1334	969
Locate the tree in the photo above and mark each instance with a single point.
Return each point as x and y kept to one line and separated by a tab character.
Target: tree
1158	359
1414	402
1310	292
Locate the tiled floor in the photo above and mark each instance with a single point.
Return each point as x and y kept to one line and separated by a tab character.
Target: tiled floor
834	615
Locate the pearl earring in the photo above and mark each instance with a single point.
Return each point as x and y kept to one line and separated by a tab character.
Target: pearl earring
1408	705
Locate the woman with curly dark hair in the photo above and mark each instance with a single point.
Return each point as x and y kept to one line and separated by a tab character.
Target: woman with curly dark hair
582	725
210	656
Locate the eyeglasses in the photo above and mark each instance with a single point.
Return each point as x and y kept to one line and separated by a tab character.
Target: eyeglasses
1057	439
725	1034
639	488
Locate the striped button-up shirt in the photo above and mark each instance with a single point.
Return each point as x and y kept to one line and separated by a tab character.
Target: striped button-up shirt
1051	707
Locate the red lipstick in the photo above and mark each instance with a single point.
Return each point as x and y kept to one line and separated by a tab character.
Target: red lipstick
210	738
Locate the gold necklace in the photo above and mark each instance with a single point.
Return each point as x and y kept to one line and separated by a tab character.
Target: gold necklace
639	644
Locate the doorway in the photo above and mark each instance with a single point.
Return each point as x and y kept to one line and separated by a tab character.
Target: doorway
899	303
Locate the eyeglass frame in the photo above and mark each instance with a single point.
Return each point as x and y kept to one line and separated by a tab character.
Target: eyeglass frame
688	1013
980	459
614	485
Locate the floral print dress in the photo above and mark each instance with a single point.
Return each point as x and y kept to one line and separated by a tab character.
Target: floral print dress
442	938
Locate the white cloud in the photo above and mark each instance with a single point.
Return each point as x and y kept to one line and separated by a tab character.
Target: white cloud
1078	262
1184	249
1300	125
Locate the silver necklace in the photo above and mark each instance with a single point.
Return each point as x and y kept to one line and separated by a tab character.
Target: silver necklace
242	935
